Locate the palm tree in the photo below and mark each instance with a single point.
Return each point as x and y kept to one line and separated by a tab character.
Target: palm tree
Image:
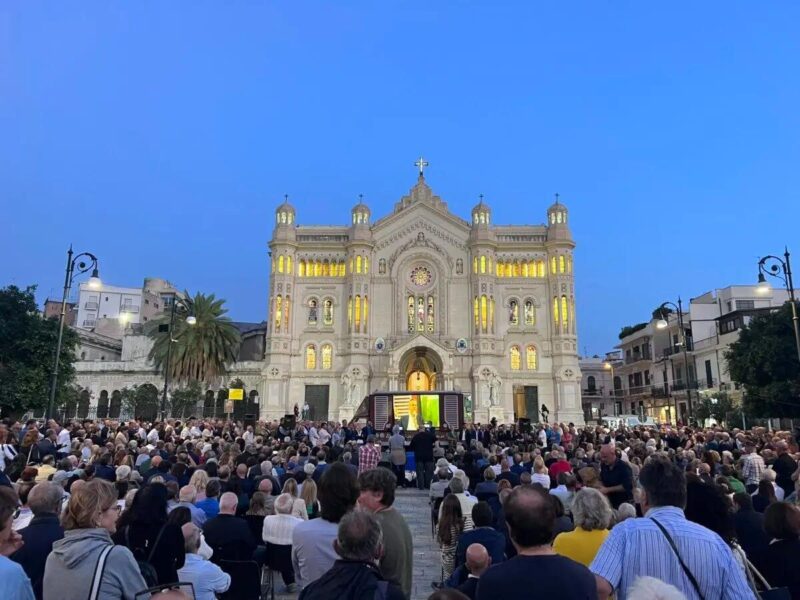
200	352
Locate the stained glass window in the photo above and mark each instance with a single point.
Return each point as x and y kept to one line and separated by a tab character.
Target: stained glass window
515	358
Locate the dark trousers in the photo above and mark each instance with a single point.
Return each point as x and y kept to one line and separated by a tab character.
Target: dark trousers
400	472
751	488
279	558
424	474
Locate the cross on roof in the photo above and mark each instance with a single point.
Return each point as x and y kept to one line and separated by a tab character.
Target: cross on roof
421	163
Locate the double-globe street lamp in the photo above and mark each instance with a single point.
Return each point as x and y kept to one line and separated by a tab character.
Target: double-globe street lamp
663	324
780	269
76	265
190	320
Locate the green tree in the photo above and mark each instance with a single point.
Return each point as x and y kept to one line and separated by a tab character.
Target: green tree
141	401
27	350
183	400
764	361
200	352
719	405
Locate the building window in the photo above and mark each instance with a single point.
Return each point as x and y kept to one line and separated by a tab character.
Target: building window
483	264
591	384
540	268
476	313
569	265
491	314
289	265
484	315
420	314
513	312
311	357
286	303
530	314
553	262
430	314
564	313
530	358
357	314
745	304
514	356
278	313
301	268
312	312
475	265
327	312
350	313
281	260
365	313
459	266
555	310
411	305
382	266
562	264
358	264
327	356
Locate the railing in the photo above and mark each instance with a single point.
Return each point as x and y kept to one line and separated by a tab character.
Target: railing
129	308
705	343
660	391
89	322
323	238
90	305
638	390
636	358
508	237
705	384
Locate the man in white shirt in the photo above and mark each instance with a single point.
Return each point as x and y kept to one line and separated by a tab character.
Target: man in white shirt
63	441
207	578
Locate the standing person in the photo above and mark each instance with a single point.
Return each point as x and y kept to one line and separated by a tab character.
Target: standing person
422	447
355	575
652	546
530	516
784	466
41	533
14	583
449	528
616	477
313	550
377	496
397	453
752	467
750	532
89	521
782	523
368	455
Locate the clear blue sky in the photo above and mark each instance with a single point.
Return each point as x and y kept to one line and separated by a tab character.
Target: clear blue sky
161	135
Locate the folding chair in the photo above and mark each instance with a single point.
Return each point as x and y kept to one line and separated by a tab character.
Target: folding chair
245	579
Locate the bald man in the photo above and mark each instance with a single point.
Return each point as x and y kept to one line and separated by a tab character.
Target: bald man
187	496
616	477
478	561
228	535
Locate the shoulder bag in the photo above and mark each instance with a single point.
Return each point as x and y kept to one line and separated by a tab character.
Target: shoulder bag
686	570
94	591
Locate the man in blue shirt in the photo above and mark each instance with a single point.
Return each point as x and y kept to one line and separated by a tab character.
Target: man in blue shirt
639	547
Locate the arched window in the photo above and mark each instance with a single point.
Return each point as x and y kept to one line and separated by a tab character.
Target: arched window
475	264
564	313
278	312
289	265
498	268
531	268
366	313
317	268
530	314
530	357
327	312
559	217
591	383
366	265
555	310
524	268
116	405
515	269
357	314
484	315
420	314
342	269
312	312
569	264
327	356
411	305
509	269
382	266
483	264
514	356
459	266
562	264
350	313
301	268
430	314
286	303
513	312
283	217
326	268
552	265
311	357
358	264
491	314
540	268
290	218
281	260
102	405
476	311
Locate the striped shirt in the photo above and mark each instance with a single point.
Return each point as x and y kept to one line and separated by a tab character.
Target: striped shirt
368	457
637	547
752	468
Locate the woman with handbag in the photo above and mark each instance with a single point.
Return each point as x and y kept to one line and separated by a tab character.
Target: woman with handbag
156	544
86	563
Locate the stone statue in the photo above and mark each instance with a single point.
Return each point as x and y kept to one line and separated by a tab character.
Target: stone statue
494	382
351	385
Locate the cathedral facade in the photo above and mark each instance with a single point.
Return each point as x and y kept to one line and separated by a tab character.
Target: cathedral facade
422	299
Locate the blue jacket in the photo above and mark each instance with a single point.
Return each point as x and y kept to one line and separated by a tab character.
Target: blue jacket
489	538
39	535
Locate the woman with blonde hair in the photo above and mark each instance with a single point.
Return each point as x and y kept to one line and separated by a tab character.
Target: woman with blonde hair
86	563
540	473
591	514
298	505
309	496
199	480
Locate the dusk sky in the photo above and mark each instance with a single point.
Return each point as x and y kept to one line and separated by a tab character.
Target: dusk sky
162	135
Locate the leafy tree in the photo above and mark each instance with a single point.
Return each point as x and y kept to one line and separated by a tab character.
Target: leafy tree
629	329
184	399
200	352
719	405
27	350
662	313
764	360
141	401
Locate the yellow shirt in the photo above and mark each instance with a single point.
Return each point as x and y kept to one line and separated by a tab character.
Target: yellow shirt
580	545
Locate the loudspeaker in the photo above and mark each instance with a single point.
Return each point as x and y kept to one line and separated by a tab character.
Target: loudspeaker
289	421
250	420
524	425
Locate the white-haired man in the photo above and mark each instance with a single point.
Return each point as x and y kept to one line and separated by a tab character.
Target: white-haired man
207	579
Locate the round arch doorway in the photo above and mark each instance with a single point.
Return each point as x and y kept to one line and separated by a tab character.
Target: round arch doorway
421	368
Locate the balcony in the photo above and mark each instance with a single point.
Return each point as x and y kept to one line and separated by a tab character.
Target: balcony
89	322
706	343
639	390
706	384
129	308
629	360
91	305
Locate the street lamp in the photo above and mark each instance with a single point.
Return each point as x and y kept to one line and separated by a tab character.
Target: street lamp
772	266
662	324
76	265
190	320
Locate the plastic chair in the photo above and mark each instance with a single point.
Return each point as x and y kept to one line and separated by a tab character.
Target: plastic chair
245	579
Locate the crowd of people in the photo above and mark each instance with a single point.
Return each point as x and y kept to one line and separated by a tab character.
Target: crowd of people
203	507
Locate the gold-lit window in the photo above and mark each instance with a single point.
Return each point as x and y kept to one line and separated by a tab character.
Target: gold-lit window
562	268
278	312
301	268
530	358
564	313
358	264
552	265
484	316
289	264
540	268
365	313
327	312
280	263
411	308
286	303
483	264
555	310
317	268
311	356
357	314
530	314
476	311
514	355
327	356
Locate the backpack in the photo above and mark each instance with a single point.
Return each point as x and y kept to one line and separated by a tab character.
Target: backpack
146	567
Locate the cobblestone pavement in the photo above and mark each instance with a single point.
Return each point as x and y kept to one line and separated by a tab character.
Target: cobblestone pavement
413	504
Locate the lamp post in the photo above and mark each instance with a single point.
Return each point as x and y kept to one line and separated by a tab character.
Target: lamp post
190	320
662	324
610	366
83	262
772	266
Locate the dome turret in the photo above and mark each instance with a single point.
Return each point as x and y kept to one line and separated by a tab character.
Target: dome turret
360	213
285	213
481	213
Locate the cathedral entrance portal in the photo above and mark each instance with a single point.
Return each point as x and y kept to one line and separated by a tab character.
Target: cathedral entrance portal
422	369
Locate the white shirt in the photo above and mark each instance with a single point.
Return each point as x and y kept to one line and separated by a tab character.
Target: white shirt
207	578
64	441
278	529
152	437
248	437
